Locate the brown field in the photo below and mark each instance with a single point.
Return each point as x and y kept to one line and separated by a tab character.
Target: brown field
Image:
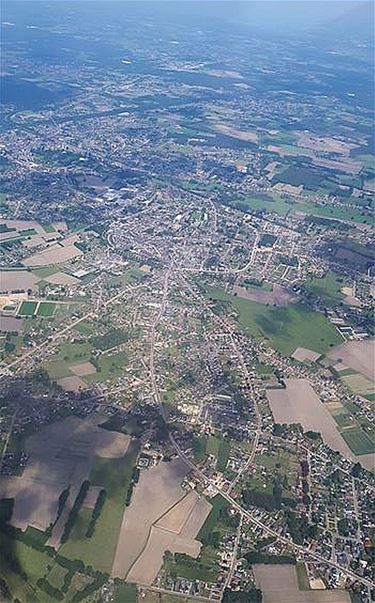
298	403
61	278
278	296
55	254
161	517
71	384
303	354
10	323
17	279
279	584
358	355
86	368
326	144
60	455
235	133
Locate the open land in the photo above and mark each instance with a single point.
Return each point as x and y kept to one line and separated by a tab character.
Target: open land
60	455
168	519
279	584
358	355
298	403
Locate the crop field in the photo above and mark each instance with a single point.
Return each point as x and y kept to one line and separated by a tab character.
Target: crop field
27	308
161	517
12	280
279	584
298	403
359	441
46	309
358	355
286	328
114	475
56	452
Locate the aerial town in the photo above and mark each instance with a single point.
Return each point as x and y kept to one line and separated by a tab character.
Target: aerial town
186	315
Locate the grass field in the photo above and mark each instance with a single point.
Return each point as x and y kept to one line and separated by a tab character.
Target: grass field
286	328
328	288
46	309
359	441
283	207
45	271
108	367
47	227
30	561
85	328
27	308
125	592
114	475
218	504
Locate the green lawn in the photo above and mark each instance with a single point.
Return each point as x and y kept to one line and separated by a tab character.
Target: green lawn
46	309
286	328
218	504
74	353
27	308
115	476
328	288
359	441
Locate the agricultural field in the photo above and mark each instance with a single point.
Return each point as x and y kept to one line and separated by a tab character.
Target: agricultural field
285	328
298	403
279	584
358	355
114	475
55	454
158	519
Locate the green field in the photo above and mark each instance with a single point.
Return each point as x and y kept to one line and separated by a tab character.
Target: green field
359	441
284	207
16	559
46	309
125	592
218	505
108	367
285	328
114	475
327	288
85	328
27	308
47	227
45	271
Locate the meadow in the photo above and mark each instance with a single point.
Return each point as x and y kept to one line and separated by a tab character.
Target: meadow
285	328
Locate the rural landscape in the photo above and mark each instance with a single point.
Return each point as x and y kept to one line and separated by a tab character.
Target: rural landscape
187	293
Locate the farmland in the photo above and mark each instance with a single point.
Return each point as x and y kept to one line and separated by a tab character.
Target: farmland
285	328
279	584
114	475
286	407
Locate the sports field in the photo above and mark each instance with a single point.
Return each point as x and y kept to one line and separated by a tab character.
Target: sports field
27	308
46	309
